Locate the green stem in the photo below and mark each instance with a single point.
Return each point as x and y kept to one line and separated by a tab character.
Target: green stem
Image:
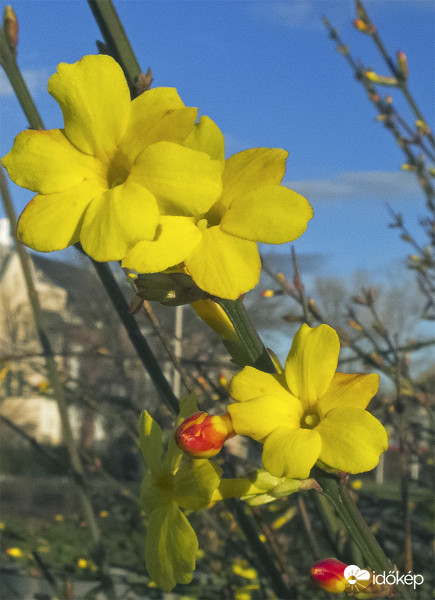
266	563
338	495
117	42
256	351
140	344
9	64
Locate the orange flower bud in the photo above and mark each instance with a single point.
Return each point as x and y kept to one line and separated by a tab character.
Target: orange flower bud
363	26
203	435
268	293
223	381
355	325
14	552
329	575
378	359
402	63
10	28
422	127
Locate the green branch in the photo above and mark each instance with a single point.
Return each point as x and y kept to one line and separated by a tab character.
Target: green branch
361	534
139	342
116	40
256	352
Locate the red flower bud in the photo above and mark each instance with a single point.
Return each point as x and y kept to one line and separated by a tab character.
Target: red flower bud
203	435
268	293
364	27
334	576
329	575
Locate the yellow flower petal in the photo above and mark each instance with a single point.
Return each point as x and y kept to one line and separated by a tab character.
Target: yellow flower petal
207	137
159	115
95	101
223	265
117	220
311	363
176	237
53	222
352	439
46	162
349	389
184	181
291	452
252	383
271	214
250	169
259	417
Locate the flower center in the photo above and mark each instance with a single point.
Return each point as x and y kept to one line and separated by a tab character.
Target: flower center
118	171
309	420
202	224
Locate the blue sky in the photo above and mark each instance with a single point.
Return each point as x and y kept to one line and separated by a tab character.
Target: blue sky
268	74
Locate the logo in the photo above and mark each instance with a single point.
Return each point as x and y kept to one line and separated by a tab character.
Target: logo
357	579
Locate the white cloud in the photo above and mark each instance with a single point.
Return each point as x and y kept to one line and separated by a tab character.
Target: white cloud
36	82
301	13
353	185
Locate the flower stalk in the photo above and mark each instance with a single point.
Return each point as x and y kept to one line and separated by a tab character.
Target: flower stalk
338	495
116	40
256	351
9	64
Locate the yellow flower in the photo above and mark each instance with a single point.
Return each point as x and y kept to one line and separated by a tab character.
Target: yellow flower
356	484
219	247
309	412
103	179
241	568
82	563
14	552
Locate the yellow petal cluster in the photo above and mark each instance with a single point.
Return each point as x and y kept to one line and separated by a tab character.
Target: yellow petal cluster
138	181
309	413
219	248
105	177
